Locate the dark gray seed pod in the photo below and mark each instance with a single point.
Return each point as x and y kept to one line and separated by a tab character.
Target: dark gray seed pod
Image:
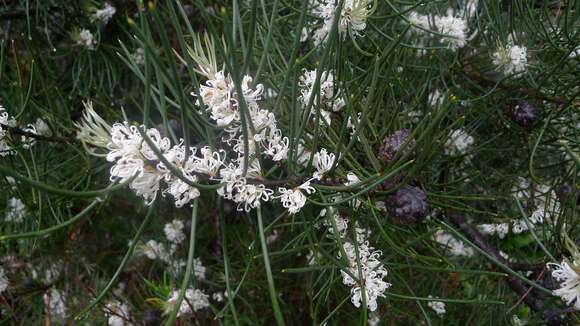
399	141
523	113
408	205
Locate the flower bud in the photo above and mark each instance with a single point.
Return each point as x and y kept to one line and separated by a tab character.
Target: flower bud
523	113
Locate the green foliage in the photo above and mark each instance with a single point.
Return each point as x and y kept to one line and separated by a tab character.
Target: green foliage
79	220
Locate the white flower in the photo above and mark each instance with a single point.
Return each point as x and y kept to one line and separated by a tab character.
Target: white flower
437	306
117	313
350	125
209	162
182	192
4	283
41	127
248	196
277	146
353	16
87	39
340	221
217	95
54	303
198	269
294	199
569	274
369	272
5	121
15	210
174	231
458	142
435	98
329	101
453	246
511	59
323	162
139	56
218	297
454	28
374	320
194	298
575	53
154	250
105	14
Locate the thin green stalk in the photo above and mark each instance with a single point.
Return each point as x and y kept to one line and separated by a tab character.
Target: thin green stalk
83	314
43	232
188	268
271	287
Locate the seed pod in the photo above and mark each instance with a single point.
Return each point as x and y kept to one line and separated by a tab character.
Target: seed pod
408	205
523	113
399	141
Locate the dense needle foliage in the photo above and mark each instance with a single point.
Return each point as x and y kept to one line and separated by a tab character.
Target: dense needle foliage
389	163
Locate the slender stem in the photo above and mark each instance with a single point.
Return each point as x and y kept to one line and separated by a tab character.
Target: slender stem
188	268
128	255
51	229
271	288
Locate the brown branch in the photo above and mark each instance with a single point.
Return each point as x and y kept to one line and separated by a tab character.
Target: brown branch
552	316
53	139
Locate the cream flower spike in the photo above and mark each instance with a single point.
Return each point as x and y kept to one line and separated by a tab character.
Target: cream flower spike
93	131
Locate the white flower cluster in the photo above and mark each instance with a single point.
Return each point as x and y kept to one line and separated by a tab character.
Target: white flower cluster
155	250
437	306
137	163
453	26
353	18
117	313
372	271
329	101
453	246
4	283
458	142
546	209
49	275
15	210
510	58
105	14
87	39
294	199
194	300
499	229
139	56
341	222
568	272
54	301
